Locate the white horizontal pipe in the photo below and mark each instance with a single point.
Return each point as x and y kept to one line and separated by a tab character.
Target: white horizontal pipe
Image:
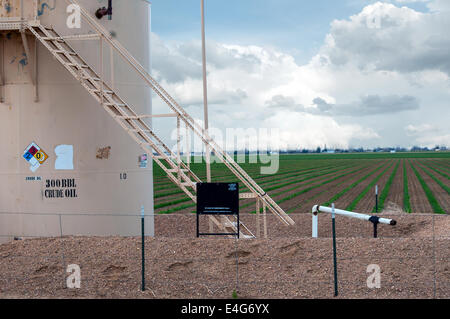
316	209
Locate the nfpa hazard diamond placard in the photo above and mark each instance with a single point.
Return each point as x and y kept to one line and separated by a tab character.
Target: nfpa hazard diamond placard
35	156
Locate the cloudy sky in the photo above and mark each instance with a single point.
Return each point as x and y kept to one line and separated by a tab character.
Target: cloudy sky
345	73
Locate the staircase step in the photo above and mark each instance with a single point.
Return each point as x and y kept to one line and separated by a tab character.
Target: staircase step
115	104
176	170
53	39
84	66
65	52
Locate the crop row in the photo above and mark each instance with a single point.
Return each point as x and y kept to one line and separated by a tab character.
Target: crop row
323	177
437	171
327	190
431	199
351	186
406	199
307	189
355	202
385	192
444	187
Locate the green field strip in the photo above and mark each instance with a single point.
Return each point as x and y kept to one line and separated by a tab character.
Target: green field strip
181	207
348	188
366	190
431	199
406	199
186	199
367	155
385	192
168	183
329	170
319	194
270	182
175	209
305	190
444	165
437	171
444	187
441	165
260	177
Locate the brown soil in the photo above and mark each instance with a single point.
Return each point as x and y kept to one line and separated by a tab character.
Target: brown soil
290	264
206	268
418	199
394	200
408	225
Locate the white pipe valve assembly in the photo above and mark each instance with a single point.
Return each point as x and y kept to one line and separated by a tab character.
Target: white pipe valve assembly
375	220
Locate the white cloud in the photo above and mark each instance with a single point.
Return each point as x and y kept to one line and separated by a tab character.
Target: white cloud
400	39
353	90
420	129
428	135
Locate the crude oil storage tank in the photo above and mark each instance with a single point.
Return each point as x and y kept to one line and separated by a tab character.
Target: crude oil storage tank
67	167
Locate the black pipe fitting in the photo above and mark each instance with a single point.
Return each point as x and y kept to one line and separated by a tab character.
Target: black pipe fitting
101	12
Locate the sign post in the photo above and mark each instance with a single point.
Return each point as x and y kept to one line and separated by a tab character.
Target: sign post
143	248
334	251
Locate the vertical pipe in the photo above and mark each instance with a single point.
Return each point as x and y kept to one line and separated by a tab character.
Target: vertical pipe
21	12
205	103
188	148
111	58
265	220
205	93
143	249
2	73
258	218
36	69
334	251
178	149
101	69
315	222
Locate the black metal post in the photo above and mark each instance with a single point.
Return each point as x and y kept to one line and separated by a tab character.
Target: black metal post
376	198
238	226
143	249
198	224
334	252
375	221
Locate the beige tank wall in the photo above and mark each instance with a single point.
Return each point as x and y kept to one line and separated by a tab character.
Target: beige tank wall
12	8
67	115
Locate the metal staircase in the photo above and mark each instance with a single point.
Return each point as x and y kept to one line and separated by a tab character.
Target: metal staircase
135	125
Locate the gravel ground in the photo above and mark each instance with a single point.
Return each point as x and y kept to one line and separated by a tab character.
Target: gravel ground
289	264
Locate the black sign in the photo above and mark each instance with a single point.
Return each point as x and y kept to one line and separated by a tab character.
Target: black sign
218	198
